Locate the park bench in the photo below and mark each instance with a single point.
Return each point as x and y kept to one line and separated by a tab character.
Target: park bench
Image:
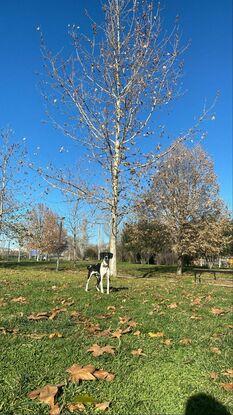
199	271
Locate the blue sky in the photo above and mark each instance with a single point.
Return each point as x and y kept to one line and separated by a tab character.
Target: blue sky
208	68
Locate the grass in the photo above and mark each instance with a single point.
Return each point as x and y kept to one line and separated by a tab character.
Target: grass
161	382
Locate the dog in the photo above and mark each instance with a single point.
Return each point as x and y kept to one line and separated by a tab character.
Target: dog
100	271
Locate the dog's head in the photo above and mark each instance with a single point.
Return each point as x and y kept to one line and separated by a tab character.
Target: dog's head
106	255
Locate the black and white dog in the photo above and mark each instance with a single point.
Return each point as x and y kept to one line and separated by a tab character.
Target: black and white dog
100	271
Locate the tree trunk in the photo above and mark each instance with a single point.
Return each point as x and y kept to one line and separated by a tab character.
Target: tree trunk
19	255
179	265
113	246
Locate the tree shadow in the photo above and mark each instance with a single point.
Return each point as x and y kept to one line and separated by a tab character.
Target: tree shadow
202	404
116	289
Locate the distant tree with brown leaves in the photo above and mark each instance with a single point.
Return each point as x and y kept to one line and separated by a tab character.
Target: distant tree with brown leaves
184	197
46	234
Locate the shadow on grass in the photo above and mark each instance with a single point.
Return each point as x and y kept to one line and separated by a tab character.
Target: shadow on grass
202	404
116	289
44	265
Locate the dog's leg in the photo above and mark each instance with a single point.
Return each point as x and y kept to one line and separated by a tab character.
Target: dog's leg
101	282
98	283
86	288
107	277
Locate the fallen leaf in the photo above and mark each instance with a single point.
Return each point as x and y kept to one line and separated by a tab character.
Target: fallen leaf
227	386
56	334
217	311
99	351
39	316
124	320
167	342
102	406
155	335
173	305
111	308
47	395
104	333
138	352
137	333
132	323
79	373
196	317
214	375
117	333
104	375
73	407
228	372
196	301
55	312
54	410
185	341
36	336
21	300
215	350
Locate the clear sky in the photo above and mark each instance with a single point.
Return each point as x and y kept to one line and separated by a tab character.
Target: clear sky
208	68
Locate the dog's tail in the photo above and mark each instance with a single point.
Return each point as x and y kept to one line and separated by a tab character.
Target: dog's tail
89	266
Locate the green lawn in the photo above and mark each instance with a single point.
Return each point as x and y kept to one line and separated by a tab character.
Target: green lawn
194	361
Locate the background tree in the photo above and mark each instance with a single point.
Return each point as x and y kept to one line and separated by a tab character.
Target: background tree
107	91
12	155
184	197
46	232
144	239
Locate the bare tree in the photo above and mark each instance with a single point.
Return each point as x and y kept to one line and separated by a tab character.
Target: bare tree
11	182
107	91
184	197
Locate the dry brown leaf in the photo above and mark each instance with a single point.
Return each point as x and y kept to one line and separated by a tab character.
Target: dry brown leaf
173	305
156	335
132	323
227	386
75	314
228	372
79	373
102	406
138	352
111	308
215	350
214	375
137	333
167	342
73	407
185	341
54	335
21	300
55	312
2	302
5	330
217	311
196	301
99	351
104	333
36	336
55	410
127	330
47	395
117	333
39	316
196	317
123	320
104	375
103	316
